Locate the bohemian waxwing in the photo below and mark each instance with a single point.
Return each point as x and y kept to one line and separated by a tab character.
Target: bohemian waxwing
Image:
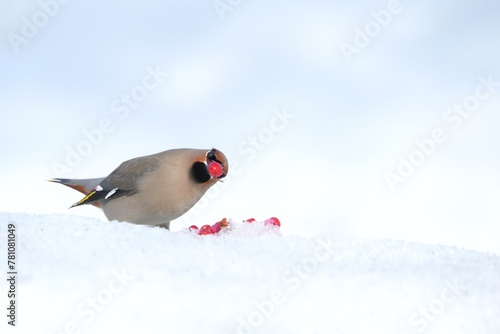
154	189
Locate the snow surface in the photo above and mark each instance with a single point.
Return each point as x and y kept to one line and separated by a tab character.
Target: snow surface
82	275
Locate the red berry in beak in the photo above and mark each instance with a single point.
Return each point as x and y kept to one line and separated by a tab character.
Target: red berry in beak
215	169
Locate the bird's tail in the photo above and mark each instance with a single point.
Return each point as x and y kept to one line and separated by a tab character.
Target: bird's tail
84	186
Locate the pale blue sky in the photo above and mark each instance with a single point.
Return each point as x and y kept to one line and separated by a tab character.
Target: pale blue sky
323	172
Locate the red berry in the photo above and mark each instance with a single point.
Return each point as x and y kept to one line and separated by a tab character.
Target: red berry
216	227
205	229
250	220
272	221
193	228
215	169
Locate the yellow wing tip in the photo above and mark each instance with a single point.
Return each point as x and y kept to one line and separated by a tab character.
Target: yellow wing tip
83	200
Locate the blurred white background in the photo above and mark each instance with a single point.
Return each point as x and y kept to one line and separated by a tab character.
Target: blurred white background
66	69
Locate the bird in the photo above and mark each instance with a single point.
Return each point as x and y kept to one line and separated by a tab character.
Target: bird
153	189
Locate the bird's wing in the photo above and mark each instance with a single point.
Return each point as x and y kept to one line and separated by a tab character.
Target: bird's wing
122	181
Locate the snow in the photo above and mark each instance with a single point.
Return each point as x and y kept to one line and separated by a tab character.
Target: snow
83	275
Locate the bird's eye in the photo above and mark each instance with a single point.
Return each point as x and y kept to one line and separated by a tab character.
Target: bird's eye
211	154
212	157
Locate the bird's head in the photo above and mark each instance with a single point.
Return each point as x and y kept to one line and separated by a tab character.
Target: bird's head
211	167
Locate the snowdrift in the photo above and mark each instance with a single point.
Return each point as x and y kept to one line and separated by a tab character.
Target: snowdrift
81	275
